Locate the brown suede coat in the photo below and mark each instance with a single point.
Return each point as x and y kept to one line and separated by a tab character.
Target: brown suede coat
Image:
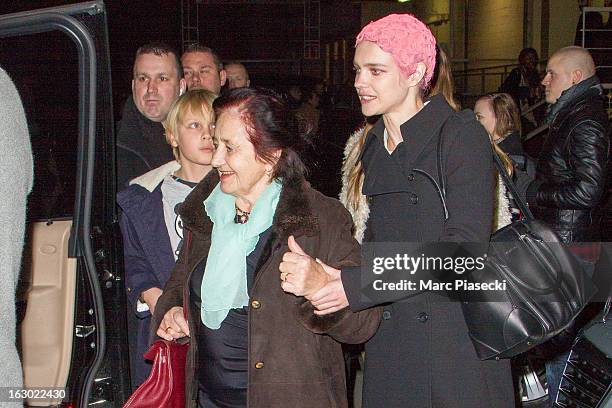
295	358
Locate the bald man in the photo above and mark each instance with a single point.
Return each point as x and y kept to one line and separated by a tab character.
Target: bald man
570	175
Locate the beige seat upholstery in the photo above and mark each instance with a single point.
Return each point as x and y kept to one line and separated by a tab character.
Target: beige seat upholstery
48	327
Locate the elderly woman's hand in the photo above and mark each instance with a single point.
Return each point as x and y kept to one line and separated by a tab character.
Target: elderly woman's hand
173	326
300	274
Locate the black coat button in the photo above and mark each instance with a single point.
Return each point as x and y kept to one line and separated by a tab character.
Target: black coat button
386	315
414	199
410	176
422	317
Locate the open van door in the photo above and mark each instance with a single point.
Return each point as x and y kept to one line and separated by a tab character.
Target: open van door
71	301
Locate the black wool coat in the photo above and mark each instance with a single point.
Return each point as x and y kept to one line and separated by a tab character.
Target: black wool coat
421	355
141	145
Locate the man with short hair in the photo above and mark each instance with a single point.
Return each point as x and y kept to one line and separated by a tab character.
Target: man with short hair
568	191
203	68
237	75
570	175
157	82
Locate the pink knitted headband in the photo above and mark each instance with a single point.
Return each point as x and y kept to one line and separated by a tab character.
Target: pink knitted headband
407	39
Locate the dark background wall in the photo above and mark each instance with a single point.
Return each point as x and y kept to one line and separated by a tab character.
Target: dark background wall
258	33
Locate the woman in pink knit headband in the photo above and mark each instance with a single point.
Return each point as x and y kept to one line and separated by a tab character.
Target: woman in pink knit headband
407	39
421	355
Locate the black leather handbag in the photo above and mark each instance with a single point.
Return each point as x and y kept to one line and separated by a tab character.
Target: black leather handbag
546	286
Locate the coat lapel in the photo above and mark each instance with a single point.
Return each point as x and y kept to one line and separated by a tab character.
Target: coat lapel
419	131
156	227
145	211
386	173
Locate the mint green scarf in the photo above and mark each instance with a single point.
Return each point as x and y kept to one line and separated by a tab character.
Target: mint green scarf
224	285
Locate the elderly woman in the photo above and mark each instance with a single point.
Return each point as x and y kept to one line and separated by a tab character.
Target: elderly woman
422	355
251	218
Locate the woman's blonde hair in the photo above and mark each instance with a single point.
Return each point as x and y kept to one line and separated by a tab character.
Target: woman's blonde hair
355	176
507	116
443	80
506	160
198	102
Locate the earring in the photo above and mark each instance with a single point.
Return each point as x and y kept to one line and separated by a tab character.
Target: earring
268	172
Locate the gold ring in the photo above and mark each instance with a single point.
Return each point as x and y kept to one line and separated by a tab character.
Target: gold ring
167	328
284	276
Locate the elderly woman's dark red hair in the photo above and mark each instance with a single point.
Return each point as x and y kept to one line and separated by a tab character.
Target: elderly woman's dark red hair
271	127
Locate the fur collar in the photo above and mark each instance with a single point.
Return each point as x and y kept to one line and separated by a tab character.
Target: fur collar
502	215
293	214
361	214
151	179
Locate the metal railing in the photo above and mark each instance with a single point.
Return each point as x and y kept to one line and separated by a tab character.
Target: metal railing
500	71
497	72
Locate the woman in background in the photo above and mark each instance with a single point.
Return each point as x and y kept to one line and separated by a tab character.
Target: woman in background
500	117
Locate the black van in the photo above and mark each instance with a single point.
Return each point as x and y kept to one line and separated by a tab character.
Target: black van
71	303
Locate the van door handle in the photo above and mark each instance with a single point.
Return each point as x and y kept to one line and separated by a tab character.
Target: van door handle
84	331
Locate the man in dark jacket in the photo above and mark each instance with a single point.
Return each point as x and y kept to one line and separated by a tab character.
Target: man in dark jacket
570	179
570	175
157	82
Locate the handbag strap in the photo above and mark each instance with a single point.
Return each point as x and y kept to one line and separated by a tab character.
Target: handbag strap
441	183
606	310
522	205
441	168
186	248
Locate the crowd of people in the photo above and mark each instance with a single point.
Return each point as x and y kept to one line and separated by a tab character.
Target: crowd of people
218	216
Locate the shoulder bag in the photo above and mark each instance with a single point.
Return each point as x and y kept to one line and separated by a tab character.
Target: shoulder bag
546	286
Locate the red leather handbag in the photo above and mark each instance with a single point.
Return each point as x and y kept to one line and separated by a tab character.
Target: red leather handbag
165	386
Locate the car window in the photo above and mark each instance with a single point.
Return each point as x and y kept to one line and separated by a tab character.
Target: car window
46	76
